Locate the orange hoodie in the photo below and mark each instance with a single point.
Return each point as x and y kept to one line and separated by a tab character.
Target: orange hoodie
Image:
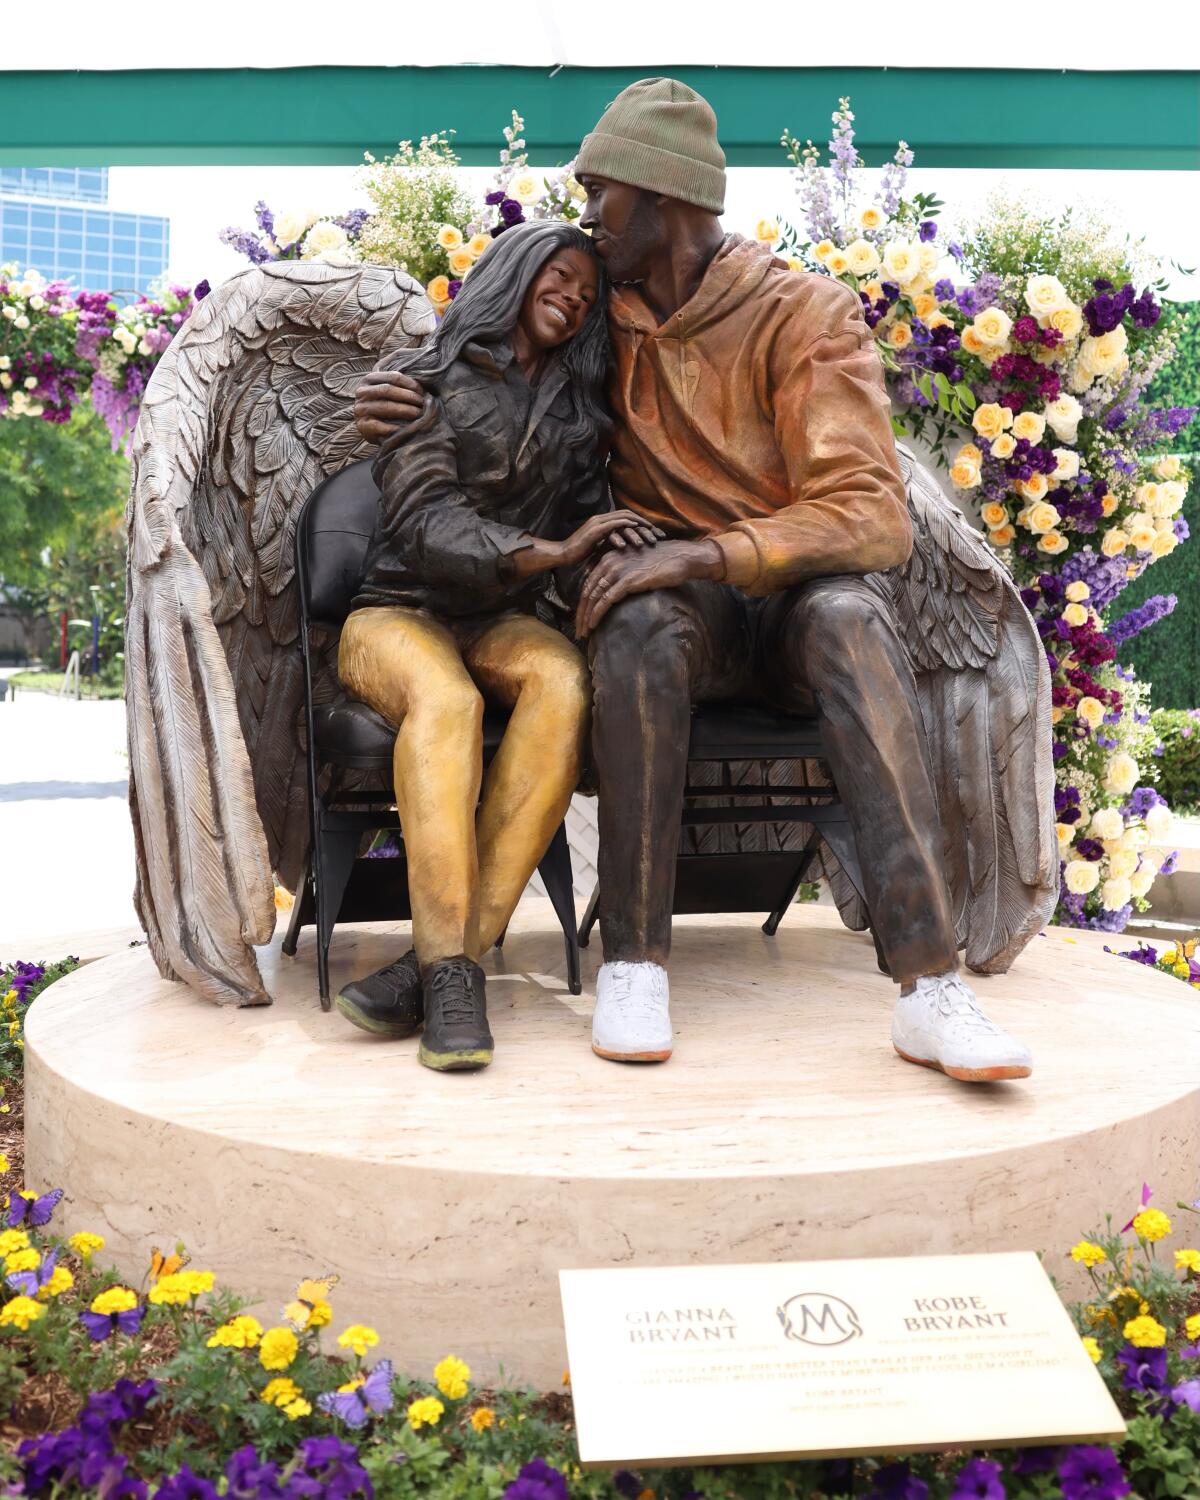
757	415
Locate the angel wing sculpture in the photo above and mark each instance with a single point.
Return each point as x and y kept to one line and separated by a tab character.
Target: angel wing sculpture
247	411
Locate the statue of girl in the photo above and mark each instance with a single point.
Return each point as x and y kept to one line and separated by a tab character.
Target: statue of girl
498	484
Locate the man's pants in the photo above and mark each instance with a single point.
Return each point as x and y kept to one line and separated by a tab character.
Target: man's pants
470	855
829	646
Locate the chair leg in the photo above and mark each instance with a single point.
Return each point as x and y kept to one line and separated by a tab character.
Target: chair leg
807	856
555	870
333	852
499	943
591	912
292	936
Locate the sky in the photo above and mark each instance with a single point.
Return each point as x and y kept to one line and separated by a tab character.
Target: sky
1163	207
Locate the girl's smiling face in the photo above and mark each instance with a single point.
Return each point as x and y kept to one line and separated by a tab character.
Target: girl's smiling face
559	299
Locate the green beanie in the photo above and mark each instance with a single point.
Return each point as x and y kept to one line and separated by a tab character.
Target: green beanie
660	135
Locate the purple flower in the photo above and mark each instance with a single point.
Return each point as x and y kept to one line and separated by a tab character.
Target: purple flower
537	1480
186	1486
978	1480
1143	1369
493	198
628	1484
1187	1394
201	290
249	1478
927	231
1090	1473
944	290
1034	1460
894	1482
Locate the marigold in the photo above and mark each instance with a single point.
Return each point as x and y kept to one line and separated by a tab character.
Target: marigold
425	1412
4	1165
61	1280
482	1418
242	1332
278	1349
358	1337
12	1240
280	1391
1145	1332
1087	1254
1188	1260
1151	1225
20	1312
23	1260
1127	1298
1092	1347
117	1299
85	1244
1192	1326
180	1287
451	1376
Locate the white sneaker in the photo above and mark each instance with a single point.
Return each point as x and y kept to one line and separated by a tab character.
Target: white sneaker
631	1022
940	1025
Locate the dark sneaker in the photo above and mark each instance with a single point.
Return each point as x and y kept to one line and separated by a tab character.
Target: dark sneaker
388	1002
456	1035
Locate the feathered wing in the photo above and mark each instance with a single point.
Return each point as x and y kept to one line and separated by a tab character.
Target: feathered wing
247	411
984	687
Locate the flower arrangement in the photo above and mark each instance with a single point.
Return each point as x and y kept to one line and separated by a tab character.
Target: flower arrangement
41	373
20	984
293	235
124	344
1180	961
1035	338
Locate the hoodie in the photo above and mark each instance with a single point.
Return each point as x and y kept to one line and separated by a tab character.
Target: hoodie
756	415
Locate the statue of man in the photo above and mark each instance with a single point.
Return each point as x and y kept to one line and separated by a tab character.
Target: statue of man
752	426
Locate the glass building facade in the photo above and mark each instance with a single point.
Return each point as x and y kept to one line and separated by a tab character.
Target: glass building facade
53	220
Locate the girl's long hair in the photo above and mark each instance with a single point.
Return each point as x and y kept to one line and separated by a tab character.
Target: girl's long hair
488	306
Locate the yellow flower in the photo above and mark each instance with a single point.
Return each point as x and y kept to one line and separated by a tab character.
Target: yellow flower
1093	1349
449	238
1091	711
278	1349
1081	876
242	1332
900	335
180	1287
358	1337
971	341
425	1412
871	218
925	304
19	1312
4	1165
61	1280
994	515
1151	1224
902	261
477	244
1033	488
298	1408
992	327
438	289
85	1245
1004	446
482	1418
451	1376
1192	1326
12	1240
964	473
1087	1254
280	1391
525	187
1145	1332
864	259
794	263
1065	832
1188	1260
22	1260
460	262
823	249
1003	536
837	263
1042	517
767	230
1068	321
1075	614
991	419
117	1299
1045	295
1078	591
1029	425
1164	543
1053	542
970	453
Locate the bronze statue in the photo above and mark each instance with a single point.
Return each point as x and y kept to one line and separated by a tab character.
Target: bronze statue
809	564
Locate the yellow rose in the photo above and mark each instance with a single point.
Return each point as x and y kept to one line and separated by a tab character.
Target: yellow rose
767	230
438	289
823	249
990	419
900	335
837	263
992	327
1053	542
449	238
1078	591
871	218
1141	536
1045	295
1065	833
1075	614
1029	425
863	257
965	474
1168	467
1081	876
460	262
1164	544
971	341
1122	774
477	244
1108	503
1169	499
902	261
971	453
1068	321
873	290
1034	487
1003	536
1091	711
1004	446
937	320
993	515
925	304
1103	355
1042	517
1114	543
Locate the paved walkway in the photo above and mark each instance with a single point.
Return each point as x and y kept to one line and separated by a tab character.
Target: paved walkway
66	845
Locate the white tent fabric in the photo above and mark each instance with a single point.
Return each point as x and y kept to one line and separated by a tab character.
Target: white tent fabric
611	33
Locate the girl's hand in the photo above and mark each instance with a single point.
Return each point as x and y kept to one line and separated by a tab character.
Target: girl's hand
620	529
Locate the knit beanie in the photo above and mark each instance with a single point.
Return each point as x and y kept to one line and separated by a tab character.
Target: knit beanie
660	135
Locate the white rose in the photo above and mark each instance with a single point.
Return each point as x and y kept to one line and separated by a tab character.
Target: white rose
289	227
21	322
1107	823
1045	295
863	257
928	255
322	239
1122	864
1170	497
902	261
1115	893
37	303
1159	822
1168	466
1141	881
1081	876
1068	463
1122	774
144	348
1103	355
525	188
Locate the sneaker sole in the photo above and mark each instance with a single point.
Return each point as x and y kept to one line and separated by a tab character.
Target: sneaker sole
455	1062
969	1075
632	1057
359	1018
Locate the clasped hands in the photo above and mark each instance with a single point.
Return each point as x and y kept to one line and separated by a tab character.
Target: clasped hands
630	554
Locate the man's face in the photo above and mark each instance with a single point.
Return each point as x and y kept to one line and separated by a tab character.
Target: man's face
626	225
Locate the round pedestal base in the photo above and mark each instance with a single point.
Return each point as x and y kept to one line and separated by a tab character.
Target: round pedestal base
280	1142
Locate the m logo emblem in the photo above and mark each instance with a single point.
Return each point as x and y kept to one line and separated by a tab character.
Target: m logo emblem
819	1318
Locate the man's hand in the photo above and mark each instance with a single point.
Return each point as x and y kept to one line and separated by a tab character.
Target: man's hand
619	574
614	528
385	400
